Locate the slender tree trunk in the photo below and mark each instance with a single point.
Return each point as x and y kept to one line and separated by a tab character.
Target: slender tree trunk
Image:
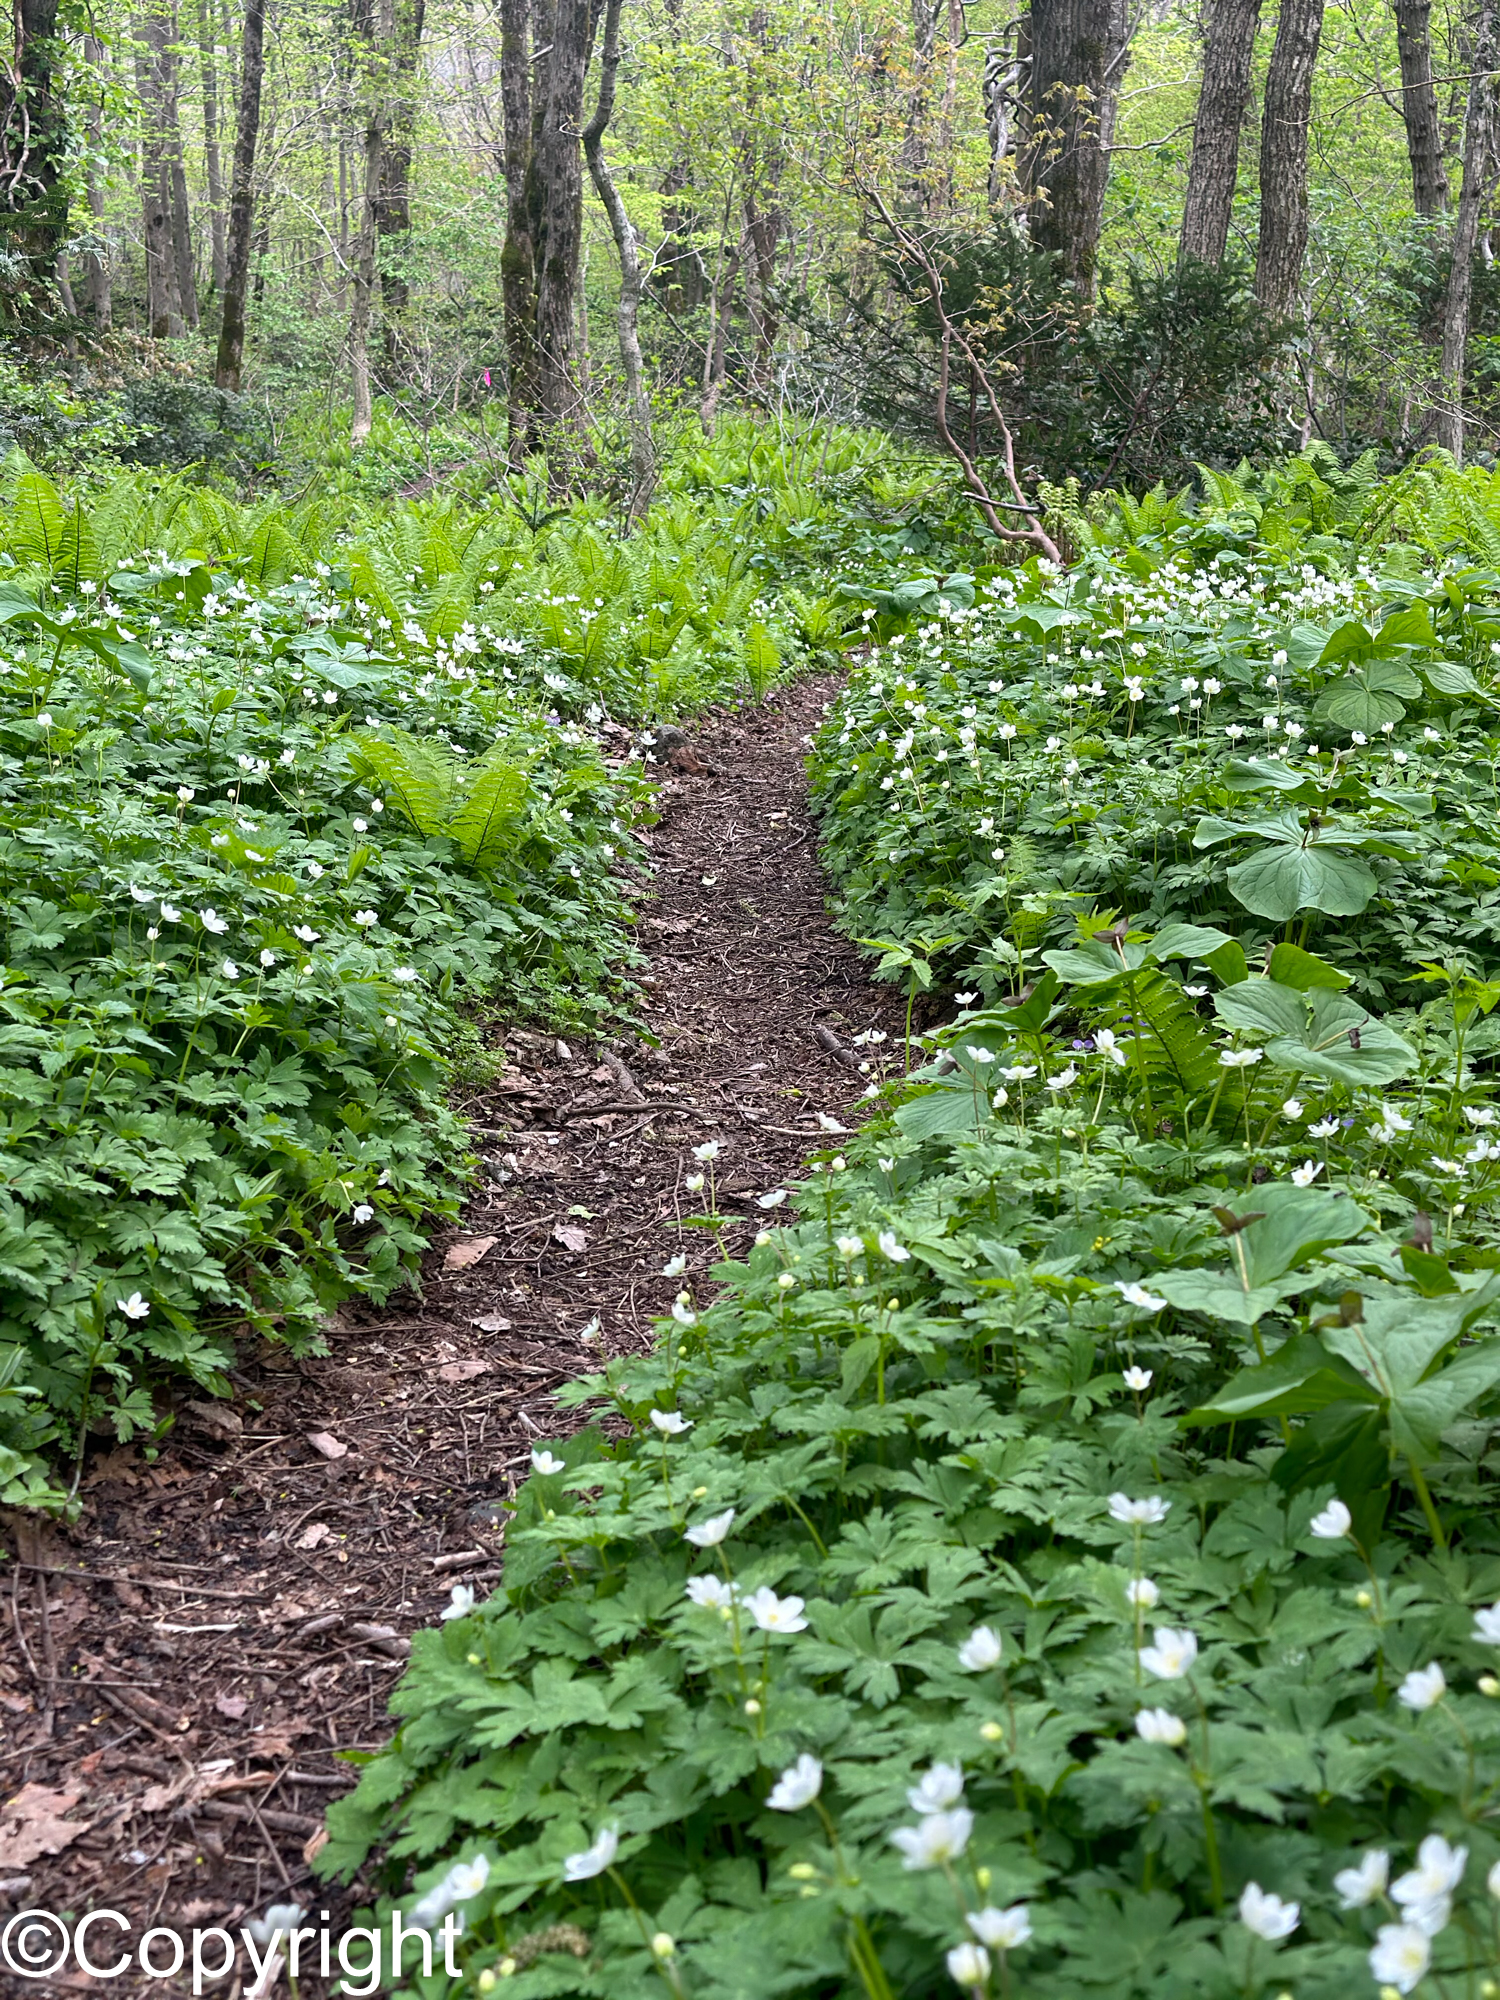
1079	50
159	32
1478	184
1002	78
1227	52
212	162
627	318
1283	155
557	180
1419	107
715	360
231	353
163	306
518	256
97	271
916	162
364	278
393	208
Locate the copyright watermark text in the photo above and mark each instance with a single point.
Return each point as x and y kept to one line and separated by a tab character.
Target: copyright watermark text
38	1944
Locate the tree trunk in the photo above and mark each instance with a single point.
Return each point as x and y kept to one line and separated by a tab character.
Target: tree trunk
163	307
1002	78
213	164
1079	49
627	319
557	181
97	273
1283	155
1227	52
542	96
715	360
1419	107
1478	183
231	354
518	256
171	280
33	149
393	206
364	278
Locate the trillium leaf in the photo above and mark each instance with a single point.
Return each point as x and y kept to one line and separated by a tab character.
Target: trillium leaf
950	1106
1187	941
1251	774
1352	640
1300	1377
1449	677
1309	1031
1410	626
1220	1295
1281	880
1292	966
1295	1224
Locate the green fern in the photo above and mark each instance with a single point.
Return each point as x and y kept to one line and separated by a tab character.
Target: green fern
37	518
483	824
414	777
1176	1046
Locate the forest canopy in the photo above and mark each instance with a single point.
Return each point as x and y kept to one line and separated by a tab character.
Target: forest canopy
1123	240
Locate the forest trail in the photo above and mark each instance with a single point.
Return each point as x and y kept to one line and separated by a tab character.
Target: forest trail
178	1668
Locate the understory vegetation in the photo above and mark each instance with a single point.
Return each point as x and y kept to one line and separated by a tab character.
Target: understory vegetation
283	790
1061	1558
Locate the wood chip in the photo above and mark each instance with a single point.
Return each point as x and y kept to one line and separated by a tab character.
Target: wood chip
327	1445
571	1237
491	1323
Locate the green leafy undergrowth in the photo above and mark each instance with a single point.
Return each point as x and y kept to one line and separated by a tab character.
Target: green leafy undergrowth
1051	1566
234	941
1273	733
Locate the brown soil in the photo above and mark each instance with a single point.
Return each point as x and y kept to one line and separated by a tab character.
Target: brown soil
179	1668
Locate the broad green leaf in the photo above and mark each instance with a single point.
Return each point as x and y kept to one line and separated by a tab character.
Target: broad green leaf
1310	1031
1290	965
1280	881
1300	1377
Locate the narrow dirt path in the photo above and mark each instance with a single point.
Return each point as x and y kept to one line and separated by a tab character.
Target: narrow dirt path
177	1670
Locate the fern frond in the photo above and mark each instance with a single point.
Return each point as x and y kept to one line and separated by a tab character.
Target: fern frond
483	820
414	777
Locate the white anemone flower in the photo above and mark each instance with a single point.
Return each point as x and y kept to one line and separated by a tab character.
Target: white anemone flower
1147	1513
1002	1930
546	1462
135	1307
1439	1870
1400	1956
595	1858
940	1786
969	1966
1487	1625
940	1837
896	1252
1307	1173
711	1591
1423	1688
460	1602
798	1785
1171	1658
981	1650
1160	1725
670	1423
1267	1916
1143	1592
1136	1294
1366	1884
1332	1524
1138	1379
708	1534
775	1614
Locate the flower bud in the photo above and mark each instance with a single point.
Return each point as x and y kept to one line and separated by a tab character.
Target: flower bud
802	1871
1363	1599
992	1732
752	1706
1489	1685
663	1945
486	1982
